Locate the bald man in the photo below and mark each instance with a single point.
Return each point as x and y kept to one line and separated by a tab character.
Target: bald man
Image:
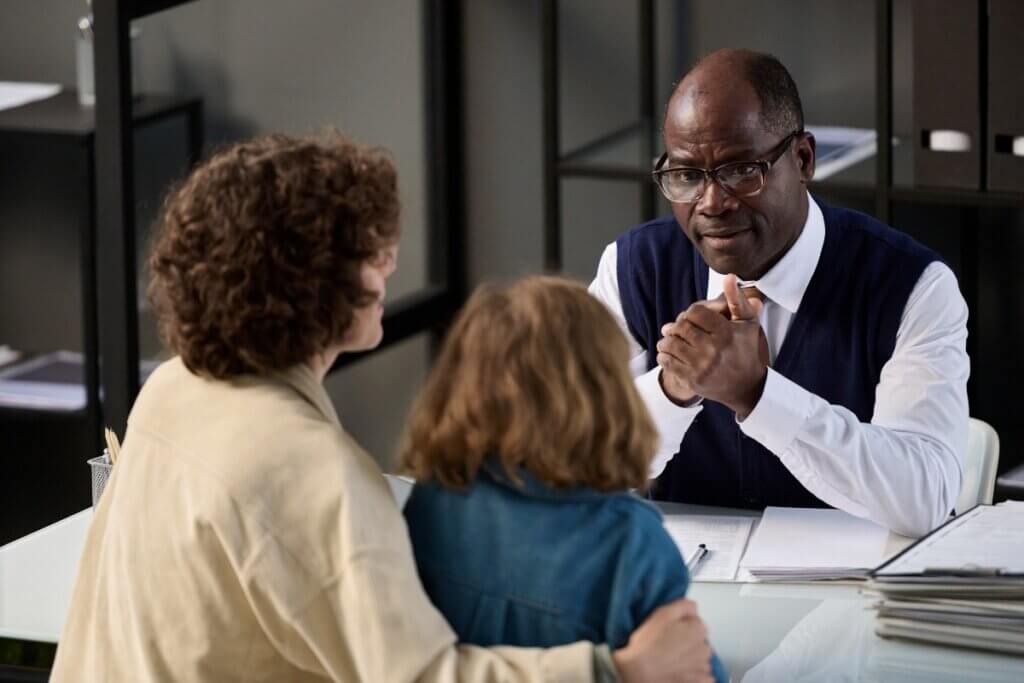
791	353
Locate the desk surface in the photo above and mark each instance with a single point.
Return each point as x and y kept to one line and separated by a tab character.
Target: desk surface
762	632
37	574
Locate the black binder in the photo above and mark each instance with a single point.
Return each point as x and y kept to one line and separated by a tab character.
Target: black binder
1006	95
946	98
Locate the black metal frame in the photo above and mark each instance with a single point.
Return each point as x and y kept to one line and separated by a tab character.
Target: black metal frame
117	317
558	165
432	307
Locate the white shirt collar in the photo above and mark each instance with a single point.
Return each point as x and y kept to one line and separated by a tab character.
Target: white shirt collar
787	281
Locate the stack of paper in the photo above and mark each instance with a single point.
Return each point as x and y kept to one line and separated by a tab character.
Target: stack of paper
16	93
811	544
839	147
961	585
54	382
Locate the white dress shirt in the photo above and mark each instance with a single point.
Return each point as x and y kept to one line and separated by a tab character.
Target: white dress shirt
901	470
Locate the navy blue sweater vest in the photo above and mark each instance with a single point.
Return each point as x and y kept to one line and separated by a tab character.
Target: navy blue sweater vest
836	345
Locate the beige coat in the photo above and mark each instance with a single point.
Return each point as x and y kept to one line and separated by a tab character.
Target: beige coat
244	536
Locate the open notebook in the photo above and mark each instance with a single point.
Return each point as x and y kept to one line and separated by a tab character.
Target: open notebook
787	544
725	538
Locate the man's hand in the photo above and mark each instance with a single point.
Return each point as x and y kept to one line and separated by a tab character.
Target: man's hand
671	645
716	349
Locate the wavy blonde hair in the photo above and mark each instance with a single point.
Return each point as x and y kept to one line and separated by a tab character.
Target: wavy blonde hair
535	374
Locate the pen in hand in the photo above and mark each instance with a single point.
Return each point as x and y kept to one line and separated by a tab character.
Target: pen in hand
695	559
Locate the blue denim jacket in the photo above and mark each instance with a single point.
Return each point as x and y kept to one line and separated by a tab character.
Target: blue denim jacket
534	566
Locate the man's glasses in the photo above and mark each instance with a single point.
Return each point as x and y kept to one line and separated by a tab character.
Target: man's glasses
686	184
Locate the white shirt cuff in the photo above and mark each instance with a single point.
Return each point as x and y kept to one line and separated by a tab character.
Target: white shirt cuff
671	420
779	415
663	410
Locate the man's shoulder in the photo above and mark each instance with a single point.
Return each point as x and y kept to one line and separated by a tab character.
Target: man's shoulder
659	230
653	242
875	234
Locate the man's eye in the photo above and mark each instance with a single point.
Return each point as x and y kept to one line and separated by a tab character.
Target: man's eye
686	175
740	171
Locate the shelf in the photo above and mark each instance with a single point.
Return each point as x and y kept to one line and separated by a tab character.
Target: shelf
956	197
626	150
140	8
624	154
62	114
53	382
620	155
852	192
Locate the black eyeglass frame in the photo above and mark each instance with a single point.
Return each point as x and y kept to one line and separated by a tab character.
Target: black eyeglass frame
765	164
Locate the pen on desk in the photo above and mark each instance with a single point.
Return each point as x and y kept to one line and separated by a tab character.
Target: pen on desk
695	558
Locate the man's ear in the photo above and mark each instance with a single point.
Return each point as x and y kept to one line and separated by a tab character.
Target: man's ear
805	153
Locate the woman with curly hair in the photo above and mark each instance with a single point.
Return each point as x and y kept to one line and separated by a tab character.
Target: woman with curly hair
244	535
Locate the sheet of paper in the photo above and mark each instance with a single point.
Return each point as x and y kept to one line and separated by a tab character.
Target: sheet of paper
839	147
14	93
52	381
811	538
7	354
986	536
725	537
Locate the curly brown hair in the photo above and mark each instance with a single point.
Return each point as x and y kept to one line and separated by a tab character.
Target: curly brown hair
534	374
255	264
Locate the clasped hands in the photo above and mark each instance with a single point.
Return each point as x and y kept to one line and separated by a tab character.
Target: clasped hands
716	349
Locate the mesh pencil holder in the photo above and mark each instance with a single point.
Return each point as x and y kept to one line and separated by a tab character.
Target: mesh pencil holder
101	468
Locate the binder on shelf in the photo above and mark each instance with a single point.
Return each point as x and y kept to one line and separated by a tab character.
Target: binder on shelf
947	106
1005	96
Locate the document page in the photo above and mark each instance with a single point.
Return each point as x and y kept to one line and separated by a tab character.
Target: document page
725	538
814	543
989	537
14	93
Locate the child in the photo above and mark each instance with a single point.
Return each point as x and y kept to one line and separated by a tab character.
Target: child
526	441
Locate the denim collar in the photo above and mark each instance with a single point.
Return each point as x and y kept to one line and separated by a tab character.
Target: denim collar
532	487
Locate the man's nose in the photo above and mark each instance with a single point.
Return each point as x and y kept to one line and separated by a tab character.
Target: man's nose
715	200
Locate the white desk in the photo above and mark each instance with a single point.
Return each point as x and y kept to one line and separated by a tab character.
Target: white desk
37	574
810	633
764	633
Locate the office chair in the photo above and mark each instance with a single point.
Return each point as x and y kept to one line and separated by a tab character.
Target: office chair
980	464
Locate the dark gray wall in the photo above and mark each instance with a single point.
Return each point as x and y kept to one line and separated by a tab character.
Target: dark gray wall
264	65
828	45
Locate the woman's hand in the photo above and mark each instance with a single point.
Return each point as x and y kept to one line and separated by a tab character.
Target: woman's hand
671	645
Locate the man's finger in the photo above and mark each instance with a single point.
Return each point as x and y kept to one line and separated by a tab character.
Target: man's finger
718	305
675	346
671	364
739	307
703	317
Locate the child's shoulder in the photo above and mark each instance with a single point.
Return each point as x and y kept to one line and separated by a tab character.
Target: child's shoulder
637	509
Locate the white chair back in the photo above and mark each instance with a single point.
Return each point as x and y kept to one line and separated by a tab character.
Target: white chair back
980	464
